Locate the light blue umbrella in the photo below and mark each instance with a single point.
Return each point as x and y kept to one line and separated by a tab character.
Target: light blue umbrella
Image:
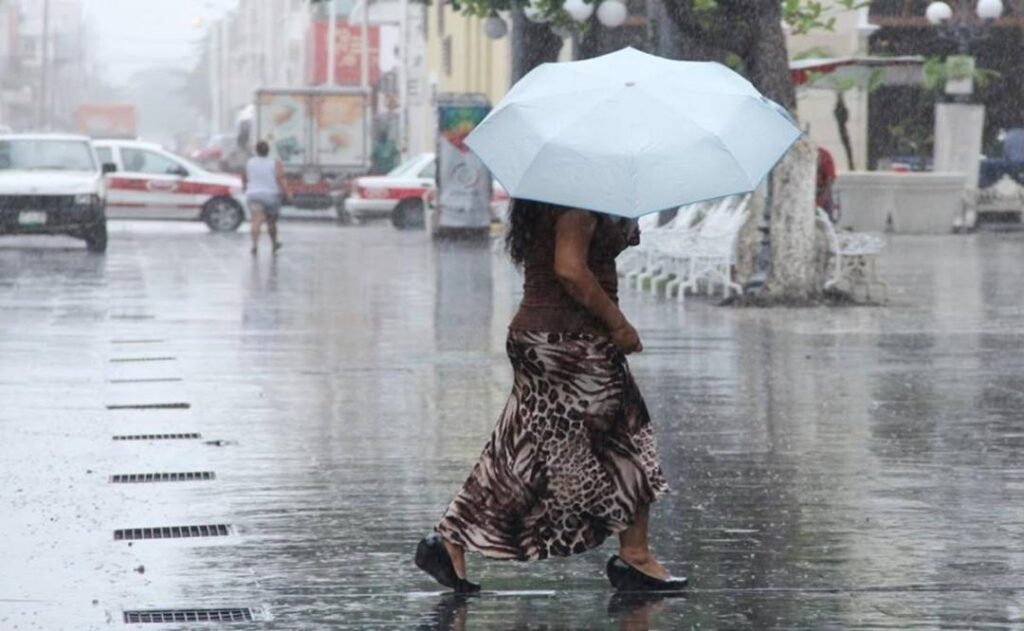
630	133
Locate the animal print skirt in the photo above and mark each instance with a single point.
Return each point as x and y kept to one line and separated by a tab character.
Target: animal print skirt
570	460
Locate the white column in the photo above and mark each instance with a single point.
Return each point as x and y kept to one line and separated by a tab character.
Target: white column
958	132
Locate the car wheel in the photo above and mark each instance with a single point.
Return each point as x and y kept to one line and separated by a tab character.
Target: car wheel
408	215
96	238
223	215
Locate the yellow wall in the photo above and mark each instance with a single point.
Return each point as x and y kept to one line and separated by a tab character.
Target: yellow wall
478	63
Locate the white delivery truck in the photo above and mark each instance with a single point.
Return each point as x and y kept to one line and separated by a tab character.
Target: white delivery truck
323	137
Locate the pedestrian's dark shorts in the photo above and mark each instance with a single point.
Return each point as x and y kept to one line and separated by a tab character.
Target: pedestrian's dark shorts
267	202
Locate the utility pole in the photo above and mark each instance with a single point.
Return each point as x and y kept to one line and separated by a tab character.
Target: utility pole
332	43
44	99
364	45
214	70
403	79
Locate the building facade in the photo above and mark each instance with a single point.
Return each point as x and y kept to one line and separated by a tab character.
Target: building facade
45	63
260	43
816	107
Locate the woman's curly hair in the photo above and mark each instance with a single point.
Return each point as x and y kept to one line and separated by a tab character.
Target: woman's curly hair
526	219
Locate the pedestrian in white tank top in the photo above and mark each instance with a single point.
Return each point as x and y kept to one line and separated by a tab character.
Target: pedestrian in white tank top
265	190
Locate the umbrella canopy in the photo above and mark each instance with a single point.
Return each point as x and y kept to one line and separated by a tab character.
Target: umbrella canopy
630	133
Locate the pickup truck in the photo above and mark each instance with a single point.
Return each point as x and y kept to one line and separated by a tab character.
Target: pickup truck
53	184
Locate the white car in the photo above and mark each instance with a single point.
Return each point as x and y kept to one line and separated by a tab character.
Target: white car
152	183
399	194
52	184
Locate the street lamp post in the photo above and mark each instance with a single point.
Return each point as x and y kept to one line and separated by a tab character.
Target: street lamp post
959	125
960	26
610	13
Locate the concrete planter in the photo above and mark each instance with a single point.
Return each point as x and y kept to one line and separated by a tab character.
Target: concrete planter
908	203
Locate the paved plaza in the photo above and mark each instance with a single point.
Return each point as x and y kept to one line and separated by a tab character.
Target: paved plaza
857	467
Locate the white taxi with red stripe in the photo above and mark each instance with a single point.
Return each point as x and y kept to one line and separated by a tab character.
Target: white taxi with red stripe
153	183
399	194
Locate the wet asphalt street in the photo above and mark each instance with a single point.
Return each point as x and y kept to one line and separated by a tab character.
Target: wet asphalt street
831	468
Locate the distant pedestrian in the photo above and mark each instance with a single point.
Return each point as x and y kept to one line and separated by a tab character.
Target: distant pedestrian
572	460
265	191
824	196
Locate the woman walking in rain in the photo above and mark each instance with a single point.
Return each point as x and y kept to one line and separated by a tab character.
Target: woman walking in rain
572	459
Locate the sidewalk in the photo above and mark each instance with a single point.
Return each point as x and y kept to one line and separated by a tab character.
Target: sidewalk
853	467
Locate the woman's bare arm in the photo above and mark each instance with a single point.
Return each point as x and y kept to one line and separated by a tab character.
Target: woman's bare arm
573	233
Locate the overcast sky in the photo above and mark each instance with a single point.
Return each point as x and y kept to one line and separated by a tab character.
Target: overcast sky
134	34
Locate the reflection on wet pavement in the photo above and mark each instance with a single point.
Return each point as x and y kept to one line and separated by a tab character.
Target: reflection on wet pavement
858	467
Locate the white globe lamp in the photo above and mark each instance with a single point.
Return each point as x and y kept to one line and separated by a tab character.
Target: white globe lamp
579	10
938	12
990	9
612	13
495	27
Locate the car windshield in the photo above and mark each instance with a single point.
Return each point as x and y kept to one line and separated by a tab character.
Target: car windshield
408	167
46	155
188	164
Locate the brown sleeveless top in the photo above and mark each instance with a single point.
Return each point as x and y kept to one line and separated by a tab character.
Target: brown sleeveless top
546	305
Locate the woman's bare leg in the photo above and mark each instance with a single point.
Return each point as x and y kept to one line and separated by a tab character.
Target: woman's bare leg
257	222
458	555
633	546
272	230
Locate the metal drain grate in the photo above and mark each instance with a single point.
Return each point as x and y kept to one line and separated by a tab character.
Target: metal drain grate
142	478
146	380
126	360
241	614
172	532
187	436
151	406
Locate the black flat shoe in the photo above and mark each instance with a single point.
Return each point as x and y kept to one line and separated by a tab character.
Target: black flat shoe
433	558
626	578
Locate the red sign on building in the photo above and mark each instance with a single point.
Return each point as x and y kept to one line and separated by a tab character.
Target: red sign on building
348	50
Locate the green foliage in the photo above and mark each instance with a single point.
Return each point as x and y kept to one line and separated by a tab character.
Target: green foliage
735	62
483	8
804	16
938	71
705	10
829	80
816	52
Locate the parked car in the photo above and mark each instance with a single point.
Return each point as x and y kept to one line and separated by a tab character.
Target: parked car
53	184
399	194
152	183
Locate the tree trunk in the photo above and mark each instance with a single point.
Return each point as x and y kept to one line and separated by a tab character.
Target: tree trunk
532	45
794	277
752	30
798	250
842	116
767	60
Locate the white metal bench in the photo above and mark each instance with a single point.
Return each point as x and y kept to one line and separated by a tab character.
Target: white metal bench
854	256
698	245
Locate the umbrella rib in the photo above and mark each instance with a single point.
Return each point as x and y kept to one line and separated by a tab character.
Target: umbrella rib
717	138
548	139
